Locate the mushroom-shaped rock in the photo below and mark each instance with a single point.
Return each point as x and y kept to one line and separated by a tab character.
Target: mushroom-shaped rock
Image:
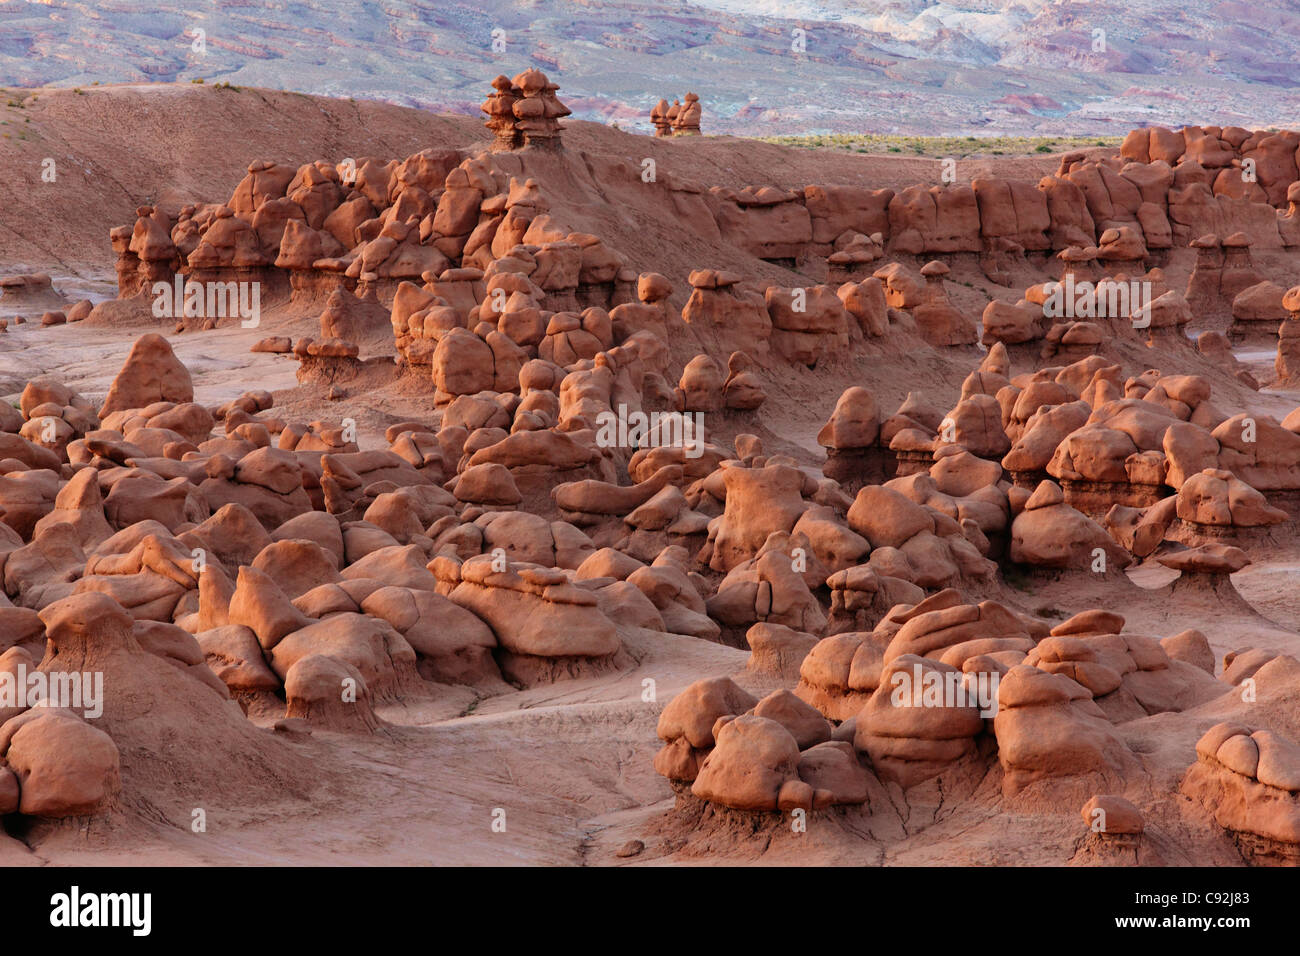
64	766
686	724
920	720
1207	559
1112	815
776	650
755	766
1048	726
329	693
805	723
1250	784
1048	533
487	484
547	627
854	424
152	373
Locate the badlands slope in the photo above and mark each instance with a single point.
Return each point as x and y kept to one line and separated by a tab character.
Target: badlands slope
118	147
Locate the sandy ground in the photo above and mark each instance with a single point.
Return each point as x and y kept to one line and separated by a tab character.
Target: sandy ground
86	358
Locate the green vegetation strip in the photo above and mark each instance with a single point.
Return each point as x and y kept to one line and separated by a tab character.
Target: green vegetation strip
944	146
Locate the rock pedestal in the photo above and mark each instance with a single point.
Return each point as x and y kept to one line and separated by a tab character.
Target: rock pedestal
1287	363
524	111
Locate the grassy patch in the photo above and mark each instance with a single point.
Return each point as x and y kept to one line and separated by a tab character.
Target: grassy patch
940	147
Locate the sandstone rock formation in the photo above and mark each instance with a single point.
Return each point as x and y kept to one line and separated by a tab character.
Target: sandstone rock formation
736	457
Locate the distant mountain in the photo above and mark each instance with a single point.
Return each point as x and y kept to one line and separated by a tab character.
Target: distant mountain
761	67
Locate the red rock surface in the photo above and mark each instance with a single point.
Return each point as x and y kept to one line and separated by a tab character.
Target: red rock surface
808	477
